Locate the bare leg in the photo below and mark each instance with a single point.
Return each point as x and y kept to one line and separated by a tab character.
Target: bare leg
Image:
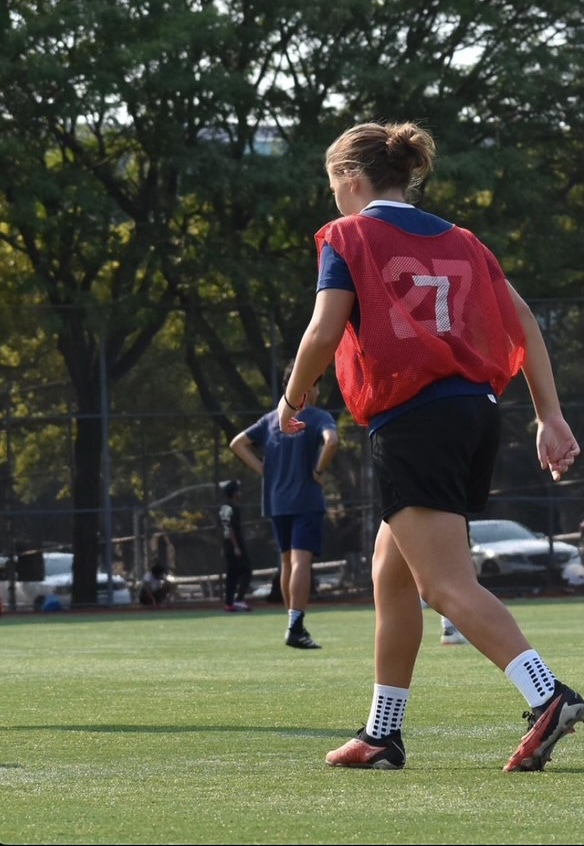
435	545
298	597
398	613
299	586
285	574
425	553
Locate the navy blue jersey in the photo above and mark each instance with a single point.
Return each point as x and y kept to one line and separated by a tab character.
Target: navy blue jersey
289	462
333	271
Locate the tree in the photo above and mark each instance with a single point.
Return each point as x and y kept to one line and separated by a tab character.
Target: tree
92	238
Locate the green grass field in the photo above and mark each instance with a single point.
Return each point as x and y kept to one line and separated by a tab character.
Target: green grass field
187	727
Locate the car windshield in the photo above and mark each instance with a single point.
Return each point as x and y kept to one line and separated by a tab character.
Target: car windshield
498	530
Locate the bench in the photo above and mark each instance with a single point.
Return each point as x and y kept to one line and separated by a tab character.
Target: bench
210	586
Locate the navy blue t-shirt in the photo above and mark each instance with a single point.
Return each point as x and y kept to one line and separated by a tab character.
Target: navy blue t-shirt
289	461
333	271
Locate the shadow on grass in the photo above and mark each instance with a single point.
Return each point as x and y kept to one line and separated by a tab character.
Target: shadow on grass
135	615
145	615
139	729
198	611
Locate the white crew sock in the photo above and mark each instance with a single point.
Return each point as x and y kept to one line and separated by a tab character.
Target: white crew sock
387	710
293	616
532	677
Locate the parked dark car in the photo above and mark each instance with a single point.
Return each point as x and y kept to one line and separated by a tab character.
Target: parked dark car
505	548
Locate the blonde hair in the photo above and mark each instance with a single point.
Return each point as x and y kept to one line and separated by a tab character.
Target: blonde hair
390	155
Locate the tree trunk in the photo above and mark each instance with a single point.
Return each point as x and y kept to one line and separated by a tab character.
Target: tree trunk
86	502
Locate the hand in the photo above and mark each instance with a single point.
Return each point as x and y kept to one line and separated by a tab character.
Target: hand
318	477
556	446
288	423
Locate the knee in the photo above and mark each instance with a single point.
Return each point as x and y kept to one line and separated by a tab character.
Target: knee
431	595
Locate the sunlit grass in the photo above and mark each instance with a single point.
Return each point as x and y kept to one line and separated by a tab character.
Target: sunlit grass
186	727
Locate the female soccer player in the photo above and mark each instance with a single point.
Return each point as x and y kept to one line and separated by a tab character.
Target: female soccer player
427	333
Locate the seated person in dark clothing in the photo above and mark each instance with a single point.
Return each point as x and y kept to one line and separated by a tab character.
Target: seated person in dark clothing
157	587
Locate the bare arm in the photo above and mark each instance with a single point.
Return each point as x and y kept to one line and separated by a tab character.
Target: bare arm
242	446
330	443
556	445
321	338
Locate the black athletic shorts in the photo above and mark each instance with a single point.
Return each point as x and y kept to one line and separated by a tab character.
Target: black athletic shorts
439	455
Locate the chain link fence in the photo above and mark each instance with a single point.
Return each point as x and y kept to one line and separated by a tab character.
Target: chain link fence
165	466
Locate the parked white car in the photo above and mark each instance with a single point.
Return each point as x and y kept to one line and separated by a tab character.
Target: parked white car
58	582
505	547
60	586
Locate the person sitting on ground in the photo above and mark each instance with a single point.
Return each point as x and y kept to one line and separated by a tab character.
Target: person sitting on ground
157	587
